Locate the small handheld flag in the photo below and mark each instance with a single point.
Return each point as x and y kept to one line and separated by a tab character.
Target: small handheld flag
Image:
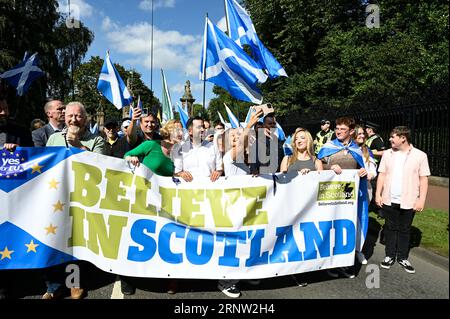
112	86
234	121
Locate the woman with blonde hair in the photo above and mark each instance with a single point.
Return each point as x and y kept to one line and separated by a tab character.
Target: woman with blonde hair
155	154
303	158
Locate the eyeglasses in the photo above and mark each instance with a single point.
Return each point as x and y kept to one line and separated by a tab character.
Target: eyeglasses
324	122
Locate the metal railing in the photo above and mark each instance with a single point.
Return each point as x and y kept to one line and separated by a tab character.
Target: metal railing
428	124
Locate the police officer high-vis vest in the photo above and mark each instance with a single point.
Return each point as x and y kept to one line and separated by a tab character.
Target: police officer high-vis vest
321	139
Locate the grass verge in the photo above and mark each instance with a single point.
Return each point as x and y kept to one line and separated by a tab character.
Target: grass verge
429	230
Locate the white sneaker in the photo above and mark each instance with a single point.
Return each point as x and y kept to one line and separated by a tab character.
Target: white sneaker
361	258
231	291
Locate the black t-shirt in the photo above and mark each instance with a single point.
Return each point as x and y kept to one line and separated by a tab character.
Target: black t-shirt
13	133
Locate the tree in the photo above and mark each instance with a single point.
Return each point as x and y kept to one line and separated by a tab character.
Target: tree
36	26
86	78
239	108
336	64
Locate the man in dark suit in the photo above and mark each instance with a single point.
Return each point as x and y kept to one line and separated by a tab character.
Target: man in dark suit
55	111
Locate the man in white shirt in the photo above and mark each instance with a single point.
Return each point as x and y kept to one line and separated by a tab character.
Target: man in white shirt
195	157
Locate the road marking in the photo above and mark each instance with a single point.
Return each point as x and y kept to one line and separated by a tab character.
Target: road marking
117	292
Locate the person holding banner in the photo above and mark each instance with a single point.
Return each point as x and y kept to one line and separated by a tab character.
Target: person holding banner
11	136
156	154
303	160
343	153
197	157
76	135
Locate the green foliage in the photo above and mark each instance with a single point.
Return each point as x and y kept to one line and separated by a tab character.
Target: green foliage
239	108
86	78
36	26
337	64
429	229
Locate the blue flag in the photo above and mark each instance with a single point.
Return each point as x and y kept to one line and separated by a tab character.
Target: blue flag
184	117
287	147
228	66
242	31
234	121
23	74
111	85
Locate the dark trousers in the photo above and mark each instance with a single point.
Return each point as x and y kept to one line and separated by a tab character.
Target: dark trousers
397	230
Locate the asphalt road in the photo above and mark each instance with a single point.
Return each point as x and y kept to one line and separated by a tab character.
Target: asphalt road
431	281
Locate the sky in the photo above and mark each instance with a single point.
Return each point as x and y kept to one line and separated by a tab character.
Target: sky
124	28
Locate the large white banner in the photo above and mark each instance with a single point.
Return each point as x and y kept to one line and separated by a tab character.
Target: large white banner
60	204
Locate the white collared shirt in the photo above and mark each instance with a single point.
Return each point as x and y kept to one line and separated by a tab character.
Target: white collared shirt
200	160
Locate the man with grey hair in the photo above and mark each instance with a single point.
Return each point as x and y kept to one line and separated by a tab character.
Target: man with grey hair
54	110
77	135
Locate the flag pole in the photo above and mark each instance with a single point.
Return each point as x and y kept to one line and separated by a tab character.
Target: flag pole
71	59
204	60
151	57
226	17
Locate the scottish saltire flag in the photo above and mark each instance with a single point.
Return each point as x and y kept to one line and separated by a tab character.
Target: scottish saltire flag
111	85
167	112
228	66
287	147
226	124
333	147
242	31
23	74
280	132
234	121
184	117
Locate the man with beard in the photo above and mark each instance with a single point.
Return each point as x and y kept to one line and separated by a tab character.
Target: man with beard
55	114
76	134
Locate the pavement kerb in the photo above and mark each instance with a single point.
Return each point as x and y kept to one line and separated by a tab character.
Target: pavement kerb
430	256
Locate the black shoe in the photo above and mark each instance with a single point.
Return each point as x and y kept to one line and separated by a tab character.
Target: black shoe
407	266
126	287
387	262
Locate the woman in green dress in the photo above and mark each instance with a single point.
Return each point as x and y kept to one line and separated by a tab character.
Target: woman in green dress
155	154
